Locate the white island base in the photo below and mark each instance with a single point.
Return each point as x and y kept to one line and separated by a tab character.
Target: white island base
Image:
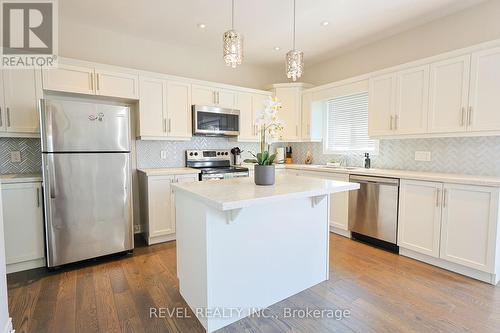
237	257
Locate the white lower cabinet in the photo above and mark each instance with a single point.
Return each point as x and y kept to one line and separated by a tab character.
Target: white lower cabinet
454	223
419	222
23	223
158	205
339	202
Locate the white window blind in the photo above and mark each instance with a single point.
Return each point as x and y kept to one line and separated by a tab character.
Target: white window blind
347	125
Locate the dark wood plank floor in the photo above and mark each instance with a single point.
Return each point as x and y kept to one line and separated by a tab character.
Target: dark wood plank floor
383	292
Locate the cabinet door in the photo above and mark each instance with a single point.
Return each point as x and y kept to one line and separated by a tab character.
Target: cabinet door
419	223
20	101
381	105
484	96
115	84
23	222
306	116
152	107
160	209
179	179
248	130
202	95
412	101
179	109
448	95
226	98
468	230
72	79
290	99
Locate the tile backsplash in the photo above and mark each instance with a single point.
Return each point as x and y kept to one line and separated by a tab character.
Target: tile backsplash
148	152
474	155
471	155
31	156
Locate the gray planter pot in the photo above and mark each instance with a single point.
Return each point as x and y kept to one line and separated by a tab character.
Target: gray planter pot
264	174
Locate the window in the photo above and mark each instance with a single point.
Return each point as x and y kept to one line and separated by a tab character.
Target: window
347	125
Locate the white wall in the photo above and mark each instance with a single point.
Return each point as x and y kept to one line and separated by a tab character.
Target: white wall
85	42
471	26
4	311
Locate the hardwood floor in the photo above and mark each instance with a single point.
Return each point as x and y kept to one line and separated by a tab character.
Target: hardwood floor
383	293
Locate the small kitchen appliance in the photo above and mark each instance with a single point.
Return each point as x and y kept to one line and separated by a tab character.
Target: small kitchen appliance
215	121
236	152
214	164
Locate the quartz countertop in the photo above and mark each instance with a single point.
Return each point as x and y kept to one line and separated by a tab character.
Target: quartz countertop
403	174
20	178
168	171
229	194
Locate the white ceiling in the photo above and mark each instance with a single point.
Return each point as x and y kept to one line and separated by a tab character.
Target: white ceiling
264	23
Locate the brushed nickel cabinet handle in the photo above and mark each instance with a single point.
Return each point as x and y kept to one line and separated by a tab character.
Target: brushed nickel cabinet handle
164	125
8	117
390	123
396	118
462	120
214	99
438	193
38	197
470	115
445	194
169	125
97	81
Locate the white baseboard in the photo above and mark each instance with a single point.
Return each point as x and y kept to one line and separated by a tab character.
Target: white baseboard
160	239
25	265
450	266
341	232
8	327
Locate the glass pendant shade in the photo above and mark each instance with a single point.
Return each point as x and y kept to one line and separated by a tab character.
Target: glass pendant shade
233	48
294	64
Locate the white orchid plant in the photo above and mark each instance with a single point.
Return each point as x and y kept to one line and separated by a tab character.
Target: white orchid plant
270	128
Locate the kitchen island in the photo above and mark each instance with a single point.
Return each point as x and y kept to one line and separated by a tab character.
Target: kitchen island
242	247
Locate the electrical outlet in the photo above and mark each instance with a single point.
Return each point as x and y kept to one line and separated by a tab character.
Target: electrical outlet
163	154
424	156
15	156
137	229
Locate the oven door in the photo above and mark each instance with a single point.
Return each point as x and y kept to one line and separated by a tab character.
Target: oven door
215	121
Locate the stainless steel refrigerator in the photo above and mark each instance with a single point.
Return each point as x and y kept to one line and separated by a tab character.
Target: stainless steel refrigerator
86	180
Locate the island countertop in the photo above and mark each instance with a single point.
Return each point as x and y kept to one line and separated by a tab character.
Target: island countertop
242	192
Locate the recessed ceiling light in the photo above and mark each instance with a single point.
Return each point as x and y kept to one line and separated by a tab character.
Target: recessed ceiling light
325	23
276	48
202	25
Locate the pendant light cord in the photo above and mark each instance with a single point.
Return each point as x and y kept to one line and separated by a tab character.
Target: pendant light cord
232	15
293	24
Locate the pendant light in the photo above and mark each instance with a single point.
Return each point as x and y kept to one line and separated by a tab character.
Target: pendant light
294	58
233	44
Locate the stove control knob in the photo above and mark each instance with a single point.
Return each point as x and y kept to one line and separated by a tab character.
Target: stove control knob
218	153
195	154
191	154
226	153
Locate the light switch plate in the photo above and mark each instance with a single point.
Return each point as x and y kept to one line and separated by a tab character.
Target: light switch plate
15	156
424	156
163	154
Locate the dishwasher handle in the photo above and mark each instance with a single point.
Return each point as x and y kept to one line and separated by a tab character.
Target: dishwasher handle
374	180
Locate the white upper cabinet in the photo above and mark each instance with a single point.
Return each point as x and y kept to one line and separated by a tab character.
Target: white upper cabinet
412	100
290	113
448	98
484	95
248	130
164	109
179	109
116	84
306	116
67	78
91	81
419	222
152	107
19	112
213	96
382	104
469	225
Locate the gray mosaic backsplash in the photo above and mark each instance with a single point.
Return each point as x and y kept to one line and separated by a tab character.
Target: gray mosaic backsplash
31	156
148	152
472	156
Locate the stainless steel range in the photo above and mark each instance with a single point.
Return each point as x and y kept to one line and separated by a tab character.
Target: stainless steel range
214	164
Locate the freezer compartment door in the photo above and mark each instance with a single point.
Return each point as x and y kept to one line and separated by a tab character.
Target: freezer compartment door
70	126
88	210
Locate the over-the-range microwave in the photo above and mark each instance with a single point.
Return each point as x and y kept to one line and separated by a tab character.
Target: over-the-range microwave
215	121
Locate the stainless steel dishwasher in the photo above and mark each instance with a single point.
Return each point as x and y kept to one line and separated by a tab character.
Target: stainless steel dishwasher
373	210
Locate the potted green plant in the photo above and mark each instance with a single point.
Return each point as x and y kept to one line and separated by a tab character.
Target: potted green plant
269	128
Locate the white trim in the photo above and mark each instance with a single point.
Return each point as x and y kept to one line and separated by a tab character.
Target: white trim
8	327
470	272
341	232
25	265
151	240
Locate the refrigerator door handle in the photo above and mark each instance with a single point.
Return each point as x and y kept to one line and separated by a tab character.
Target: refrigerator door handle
52	176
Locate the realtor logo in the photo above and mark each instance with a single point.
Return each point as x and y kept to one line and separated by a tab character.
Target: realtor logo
29	33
